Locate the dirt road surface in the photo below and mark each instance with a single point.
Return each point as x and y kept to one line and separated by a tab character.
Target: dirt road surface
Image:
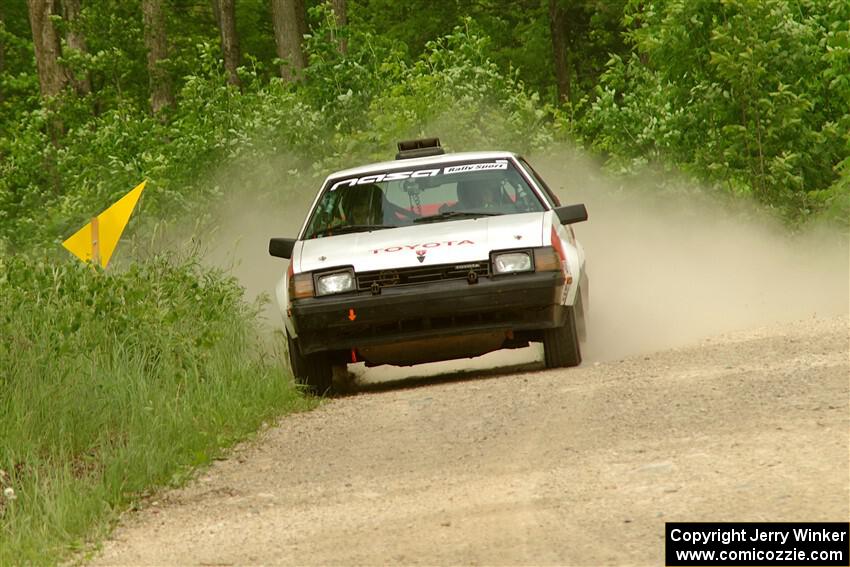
525	466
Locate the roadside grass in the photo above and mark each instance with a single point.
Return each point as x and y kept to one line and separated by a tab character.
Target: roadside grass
112	384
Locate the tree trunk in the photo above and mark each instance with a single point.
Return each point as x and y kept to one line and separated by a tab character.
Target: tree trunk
51	77
156	43
229	40
557	26
290	25
341	17
76	40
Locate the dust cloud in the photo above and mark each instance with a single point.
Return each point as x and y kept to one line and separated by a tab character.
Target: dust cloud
666	269
261	201
241	246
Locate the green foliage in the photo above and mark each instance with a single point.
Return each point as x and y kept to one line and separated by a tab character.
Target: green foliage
745	94
114	382
117	54
18	80
748	96
351	108
593	34
519	30
453	90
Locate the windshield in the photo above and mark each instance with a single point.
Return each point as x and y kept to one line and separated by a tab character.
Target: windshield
403	197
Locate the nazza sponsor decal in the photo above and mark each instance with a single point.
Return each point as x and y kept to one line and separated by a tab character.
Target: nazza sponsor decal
414	174
418	247
378	177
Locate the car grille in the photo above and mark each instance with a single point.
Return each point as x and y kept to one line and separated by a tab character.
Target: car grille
423	274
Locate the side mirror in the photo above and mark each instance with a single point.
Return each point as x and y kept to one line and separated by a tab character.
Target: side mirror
281	247
568	214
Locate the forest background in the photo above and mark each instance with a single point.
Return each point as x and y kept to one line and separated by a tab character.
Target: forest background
748	97
113	382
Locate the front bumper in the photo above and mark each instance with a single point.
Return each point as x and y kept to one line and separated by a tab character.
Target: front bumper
512	302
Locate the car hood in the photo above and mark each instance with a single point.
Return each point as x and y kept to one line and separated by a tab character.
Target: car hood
434	243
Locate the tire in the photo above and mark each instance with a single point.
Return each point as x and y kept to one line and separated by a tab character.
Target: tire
313	370
560	345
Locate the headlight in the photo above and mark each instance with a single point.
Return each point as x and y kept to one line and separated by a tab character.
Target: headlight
336	282
511	262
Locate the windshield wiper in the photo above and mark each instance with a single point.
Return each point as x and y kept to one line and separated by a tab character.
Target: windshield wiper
346	229
454	215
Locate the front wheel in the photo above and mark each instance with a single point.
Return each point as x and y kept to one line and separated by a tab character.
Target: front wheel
312	370
560	345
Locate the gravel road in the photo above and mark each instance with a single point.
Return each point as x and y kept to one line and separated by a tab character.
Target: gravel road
525	466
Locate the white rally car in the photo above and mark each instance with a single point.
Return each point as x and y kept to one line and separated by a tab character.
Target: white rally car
432	257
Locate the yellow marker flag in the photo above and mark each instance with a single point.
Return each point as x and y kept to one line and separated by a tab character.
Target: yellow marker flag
97	240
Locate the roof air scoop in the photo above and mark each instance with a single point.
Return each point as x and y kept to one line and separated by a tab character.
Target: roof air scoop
419	148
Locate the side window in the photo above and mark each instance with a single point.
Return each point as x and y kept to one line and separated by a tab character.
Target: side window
550	195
